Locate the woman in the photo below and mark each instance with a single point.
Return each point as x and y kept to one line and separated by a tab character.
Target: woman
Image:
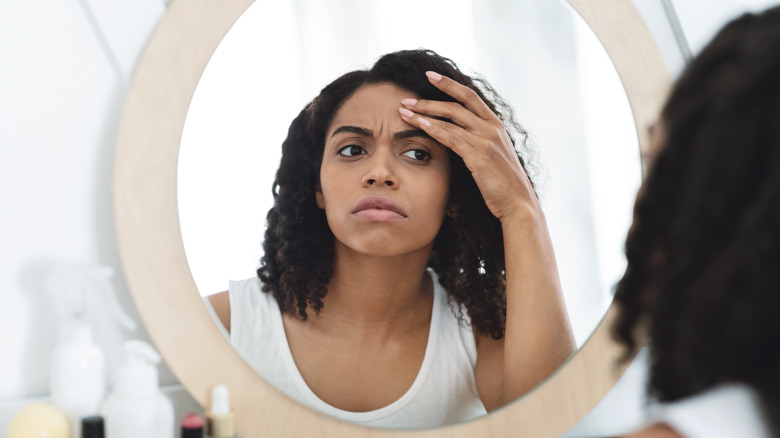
704	250
399	192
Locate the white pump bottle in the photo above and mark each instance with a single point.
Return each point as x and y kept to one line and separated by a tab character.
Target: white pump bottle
137	408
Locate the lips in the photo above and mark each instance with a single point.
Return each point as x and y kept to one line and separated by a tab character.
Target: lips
379	208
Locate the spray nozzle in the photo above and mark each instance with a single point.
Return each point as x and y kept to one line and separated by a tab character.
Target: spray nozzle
81	291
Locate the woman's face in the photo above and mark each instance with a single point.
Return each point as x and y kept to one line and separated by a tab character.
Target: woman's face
384	183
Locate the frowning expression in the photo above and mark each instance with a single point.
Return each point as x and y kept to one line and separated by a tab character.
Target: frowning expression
384	183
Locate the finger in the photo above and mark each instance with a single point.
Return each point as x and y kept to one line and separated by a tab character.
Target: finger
463	94
452	136
449	110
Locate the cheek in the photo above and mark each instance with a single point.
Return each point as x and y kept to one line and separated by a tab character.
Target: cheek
325	187
332	186
442	188
437	197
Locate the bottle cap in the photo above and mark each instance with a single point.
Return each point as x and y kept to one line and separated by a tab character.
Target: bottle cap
220	400
92	427
220	426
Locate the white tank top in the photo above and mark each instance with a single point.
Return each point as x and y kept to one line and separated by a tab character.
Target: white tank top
727	411
443	393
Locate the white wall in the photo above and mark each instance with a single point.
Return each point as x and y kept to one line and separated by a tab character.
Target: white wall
64	70
64	67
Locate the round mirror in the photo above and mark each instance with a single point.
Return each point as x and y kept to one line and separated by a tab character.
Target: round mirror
149	227
564	88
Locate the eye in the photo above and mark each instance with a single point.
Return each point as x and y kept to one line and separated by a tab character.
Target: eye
417	154
351	151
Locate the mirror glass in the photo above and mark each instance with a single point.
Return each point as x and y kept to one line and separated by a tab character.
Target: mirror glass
539	55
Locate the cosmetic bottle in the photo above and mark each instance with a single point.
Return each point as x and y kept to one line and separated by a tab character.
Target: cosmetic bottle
137	408
77	376
220	419
39	420
192	426
92	427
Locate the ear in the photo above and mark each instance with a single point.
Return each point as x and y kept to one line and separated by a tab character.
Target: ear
453	210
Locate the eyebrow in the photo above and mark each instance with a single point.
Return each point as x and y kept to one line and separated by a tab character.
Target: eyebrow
353	129
408	133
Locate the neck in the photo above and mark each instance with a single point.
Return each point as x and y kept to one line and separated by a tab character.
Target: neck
377	292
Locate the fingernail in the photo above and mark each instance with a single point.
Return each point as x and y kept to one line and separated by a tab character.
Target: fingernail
405	112
423	122
408	102
432	75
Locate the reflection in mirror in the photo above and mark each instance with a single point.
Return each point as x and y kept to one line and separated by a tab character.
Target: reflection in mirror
538	55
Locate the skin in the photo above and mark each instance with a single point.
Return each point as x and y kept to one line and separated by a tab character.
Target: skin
368	142
372	333
659	430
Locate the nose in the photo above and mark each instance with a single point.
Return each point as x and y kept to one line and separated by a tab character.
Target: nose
380	171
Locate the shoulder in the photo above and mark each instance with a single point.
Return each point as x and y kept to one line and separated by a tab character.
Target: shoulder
658	430
241	293
220	302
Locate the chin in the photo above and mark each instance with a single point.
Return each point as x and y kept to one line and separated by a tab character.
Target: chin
380	249
385	246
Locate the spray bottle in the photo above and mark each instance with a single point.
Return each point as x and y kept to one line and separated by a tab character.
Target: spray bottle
77	370
137	408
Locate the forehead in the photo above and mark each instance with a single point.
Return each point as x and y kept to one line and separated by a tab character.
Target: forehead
371	105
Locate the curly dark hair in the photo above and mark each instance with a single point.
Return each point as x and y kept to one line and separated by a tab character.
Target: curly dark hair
468	252
704	250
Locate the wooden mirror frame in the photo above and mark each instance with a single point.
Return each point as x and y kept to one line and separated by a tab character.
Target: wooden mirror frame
162	286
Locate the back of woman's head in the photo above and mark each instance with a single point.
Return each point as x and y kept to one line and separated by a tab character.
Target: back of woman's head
468	252
704	250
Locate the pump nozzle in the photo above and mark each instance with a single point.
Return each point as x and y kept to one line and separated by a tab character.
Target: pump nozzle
141	353
138	377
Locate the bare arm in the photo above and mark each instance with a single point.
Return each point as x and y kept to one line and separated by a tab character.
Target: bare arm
658	430
220	302
538	336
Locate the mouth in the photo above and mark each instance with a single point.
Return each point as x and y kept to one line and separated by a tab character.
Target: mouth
379	209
